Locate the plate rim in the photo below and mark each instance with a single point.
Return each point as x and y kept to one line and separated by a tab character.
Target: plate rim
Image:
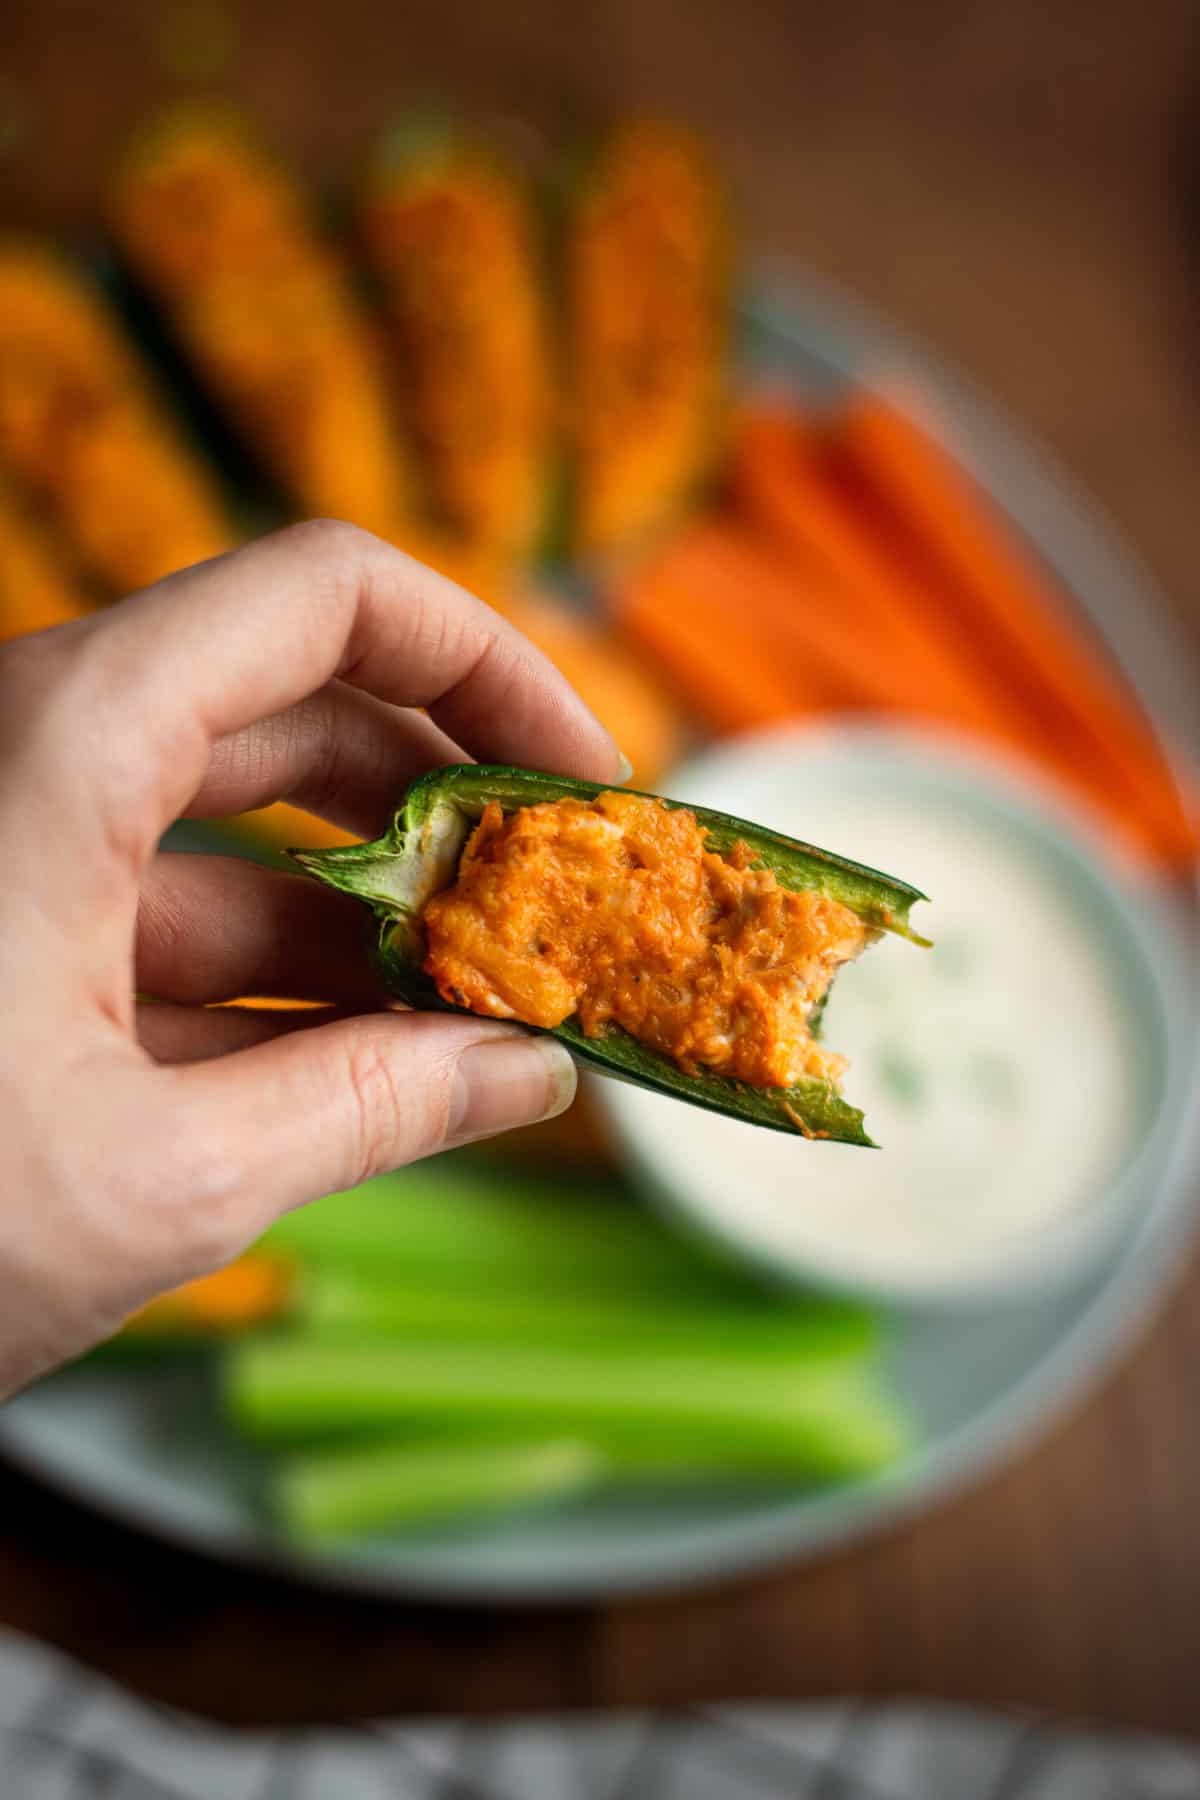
825	326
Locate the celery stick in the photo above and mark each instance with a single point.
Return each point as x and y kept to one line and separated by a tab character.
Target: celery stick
390	1484
341	1302
485	1227
345	1491
825	1415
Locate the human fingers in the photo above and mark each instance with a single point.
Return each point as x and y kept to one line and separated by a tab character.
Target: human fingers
341	753
318	1110
212	928
115	719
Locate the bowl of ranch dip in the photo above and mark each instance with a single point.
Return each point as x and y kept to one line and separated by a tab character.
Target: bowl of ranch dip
1015	1076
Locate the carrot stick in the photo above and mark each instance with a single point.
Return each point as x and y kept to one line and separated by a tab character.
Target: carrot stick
705	634
782	480
607	673
780	488
725	698
726	693
286	827
753	638
988	592
796	626
255	1288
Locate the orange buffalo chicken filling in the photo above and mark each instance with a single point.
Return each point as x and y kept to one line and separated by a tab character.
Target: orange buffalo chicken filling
614	912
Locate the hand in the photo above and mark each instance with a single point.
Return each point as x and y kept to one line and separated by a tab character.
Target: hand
143	1145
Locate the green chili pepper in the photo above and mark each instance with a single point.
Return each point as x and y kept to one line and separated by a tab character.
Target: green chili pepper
398	873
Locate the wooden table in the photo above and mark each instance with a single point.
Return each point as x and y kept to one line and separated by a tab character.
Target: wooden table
1016	186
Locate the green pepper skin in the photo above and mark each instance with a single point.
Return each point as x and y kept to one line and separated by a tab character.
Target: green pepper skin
398	873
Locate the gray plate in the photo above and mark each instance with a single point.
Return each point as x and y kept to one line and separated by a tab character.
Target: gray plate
143	1446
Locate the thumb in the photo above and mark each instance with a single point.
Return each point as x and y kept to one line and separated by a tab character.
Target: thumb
316	1111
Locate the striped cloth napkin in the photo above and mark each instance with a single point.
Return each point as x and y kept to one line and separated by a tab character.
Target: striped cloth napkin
67	1734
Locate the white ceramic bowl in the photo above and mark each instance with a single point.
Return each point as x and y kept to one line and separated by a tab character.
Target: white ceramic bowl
949	1211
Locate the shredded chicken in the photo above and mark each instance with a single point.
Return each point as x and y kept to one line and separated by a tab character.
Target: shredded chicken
615	912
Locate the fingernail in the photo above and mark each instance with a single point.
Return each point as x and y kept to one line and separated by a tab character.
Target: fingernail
508	1082
624	769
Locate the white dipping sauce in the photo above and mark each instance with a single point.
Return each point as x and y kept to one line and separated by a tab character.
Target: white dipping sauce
996	1070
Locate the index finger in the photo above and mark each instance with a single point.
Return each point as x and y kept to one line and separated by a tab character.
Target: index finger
214	648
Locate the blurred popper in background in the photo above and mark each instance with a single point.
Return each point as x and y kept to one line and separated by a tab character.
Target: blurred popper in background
259	301
452	234
86	429
645	285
